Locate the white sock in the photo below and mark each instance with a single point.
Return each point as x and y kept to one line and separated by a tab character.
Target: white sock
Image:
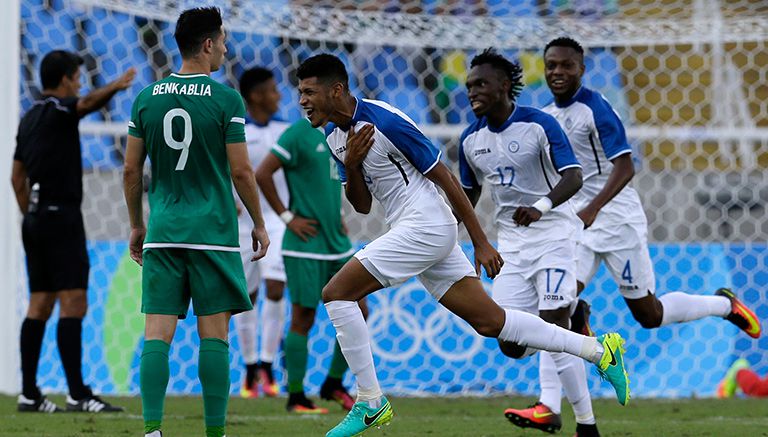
272	328
526	329
573	377
245	325
355	342
551	389
681	307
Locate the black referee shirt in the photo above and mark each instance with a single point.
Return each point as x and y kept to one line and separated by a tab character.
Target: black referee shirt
48	143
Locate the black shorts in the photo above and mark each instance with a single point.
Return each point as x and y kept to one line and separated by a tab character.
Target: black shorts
54	240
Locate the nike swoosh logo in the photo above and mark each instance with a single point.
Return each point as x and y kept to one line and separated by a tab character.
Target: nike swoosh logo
537	415
369	420
613	357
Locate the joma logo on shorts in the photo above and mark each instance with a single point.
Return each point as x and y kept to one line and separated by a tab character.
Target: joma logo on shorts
629	287
551	297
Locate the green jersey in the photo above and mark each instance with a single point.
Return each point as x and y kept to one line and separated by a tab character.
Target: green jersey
315	192
186	121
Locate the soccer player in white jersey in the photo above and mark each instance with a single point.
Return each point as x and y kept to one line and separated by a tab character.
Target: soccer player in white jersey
614	221
381	153
523	156
259	89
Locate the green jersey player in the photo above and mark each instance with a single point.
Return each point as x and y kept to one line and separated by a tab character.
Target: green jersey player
315	247
192	129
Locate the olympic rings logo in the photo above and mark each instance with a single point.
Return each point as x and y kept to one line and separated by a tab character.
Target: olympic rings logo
391	311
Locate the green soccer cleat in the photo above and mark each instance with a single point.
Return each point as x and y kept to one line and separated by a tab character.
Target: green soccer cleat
728	386
611	365
362	417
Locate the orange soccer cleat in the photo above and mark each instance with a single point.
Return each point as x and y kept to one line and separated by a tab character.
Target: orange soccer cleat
741	315
537	416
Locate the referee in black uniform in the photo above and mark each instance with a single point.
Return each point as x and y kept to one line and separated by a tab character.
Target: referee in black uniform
47	179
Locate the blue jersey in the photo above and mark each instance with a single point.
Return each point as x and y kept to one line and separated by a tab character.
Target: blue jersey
520	161
598	136
395	165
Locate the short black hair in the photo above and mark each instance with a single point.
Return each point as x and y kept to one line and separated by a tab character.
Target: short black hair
56	65
511	70
252	78
565	41
325	67
194	27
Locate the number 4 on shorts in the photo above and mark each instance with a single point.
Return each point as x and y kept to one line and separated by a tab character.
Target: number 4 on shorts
626	274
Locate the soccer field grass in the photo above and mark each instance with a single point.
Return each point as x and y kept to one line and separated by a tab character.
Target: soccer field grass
413	417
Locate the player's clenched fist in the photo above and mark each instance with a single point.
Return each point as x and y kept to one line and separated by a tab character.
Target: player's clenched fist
489	258
525	215
358	145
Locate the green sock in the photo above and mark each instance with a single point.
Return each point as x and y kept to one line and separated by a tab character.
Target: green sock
338	363
153	380
213	370
296	356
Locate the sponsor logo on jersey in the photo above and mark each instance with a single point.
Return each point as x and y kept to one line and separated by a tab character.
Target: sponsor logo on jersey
320	147
340	150
479	152
513	146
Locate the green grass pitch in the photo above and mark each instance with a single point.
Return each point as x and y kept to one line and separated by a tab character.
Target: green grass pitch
443	417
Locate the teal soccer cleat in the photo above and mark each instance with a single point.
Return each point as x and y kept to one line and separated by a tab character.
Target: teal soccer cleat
361	418
611	365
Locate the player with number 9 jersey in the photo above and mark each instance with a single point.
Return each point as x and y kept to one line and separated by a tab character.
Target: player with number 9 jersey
186	122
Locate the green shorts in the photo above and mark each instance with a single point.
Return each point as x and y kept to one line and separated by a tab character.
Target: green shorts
307	277
212	279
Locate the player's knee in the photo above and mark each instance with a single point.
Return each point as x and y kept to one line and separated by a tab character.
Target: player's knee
648	320
302	320
560	316
487	326
512	350
40	310
275	289
74	306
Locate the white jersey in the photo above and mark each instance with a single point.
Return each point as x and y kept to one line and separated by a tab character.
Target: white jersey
260	140
395	165
520	161
597	136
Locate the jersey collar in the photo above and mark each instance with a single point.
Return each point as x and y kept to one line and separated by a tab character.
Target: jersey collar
188	76
504	125
573	98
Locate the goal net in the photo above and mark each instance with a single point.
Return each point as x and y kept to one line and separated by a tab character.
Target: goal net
688	77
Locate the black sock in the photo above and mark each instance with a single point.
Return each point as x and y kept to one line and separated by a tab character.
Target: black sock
31	341
250	374
298	398
583	430
69	339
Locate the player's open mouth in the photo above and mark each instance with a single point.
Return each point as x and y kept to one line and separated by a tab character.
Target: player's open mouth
558	83
476	104
309	112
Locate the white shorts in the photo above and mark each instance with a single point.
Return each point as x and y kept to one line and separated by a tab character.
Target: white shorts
431	254
271	266
625	252
538	278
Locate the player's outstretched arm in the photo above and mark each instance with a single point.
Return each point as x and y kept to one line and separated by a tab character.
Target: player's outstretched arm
133	187
623	172
358	145
570	182
304	228
100	96
245	185
485	254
